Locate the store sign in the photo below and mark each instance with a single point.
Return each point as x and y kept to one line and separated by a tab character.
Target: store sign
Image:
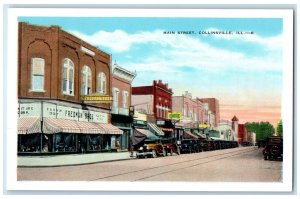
62	112
160	122
29	110
96	99
174	115
203	125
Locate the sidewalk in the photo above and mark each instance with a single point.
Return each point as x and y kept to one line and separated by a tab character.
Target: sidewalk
71	159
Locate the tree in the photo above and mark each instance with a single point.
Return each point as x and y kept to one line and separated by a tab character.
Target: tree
261	129
279	128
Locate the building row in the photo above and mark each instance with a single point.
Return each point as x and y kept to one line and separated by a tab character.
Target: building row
72	98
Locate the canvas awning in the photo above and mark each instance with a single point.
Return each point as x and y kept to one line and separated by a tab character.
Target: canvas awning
138	137
29	125
156	129
189	135
55	125
149	135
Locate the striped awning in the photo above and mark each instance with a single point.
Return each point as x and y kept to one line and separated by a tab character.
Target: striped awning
156	129
29	125
54	125
111	129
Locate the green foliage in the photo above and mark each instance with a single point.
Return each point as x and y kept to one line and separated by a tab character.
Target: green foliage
279	128
261	129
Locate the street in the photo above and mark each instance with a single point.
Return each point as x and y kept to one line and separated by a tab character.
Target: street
242	164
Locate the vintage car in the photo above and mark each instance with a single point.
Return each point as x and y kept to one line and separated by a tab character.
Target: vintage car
190	146
170	146
274	148
151	148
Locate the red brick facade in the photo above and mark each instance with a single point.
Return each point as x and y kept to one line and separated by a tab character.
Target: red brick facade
162	97
54	45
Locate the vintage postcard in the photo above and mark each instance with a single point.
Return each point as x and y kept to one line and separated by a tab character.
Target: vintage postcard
149	99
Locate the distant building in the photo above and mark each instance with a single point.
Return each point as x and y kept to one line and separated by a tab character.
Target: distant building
213	105
225	129
155	101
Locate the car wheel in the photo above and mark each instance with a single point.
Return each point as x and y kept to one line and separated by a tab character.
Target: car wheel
154	155
274	150
266	157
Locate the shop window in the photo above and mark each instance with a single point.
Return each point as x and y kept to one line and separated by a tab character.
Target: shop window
86	83
68	77
37	74
101	83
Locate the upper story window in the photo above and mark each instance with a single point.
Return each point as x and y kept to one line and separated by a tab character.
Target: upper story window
68	77
37	74
86	83
115	97
101	83
125	99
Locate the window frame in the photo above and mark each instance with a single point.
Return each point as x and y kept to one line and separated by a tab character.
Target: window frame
86	70
32	89
101	77
67	91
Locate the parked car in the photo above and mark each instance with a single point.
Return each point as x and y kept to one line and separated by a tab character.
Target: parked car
171	146
151	148
189	146
274	148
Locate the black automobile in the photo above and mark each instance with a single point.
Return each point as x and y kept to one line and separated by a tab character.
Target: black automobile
189	146
274	148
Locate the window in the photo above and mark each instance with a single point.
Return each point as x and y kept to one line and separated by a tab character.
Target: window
86	81
67	77
37	74
101	83
124	99
115	97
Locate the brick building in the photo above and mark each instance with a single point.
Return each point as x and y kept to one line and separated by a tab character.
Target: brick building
213	105
121	92
55	69
156	101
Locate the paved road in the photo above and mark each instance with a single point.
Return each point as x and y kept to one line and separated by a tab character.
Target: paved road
243	164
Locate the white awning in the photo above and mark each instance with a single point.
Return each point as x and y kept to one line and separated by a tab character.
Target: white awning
156	129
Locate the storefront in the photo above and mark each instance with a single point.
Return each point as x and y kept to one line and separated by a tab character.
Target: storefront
56	127
124	123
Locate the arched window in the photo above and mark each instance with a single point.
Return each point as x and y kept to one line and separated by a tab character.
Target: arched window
101	83
86	81
68	77
37	74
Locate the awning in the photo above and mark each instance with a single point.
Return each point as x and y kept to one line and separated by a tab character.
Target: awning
111	129
189	135
156	129
29	125
137	137
149	134
54	125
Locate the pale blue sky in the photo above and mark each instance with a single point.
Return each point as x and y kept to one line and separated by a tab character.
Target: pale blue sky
223	66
